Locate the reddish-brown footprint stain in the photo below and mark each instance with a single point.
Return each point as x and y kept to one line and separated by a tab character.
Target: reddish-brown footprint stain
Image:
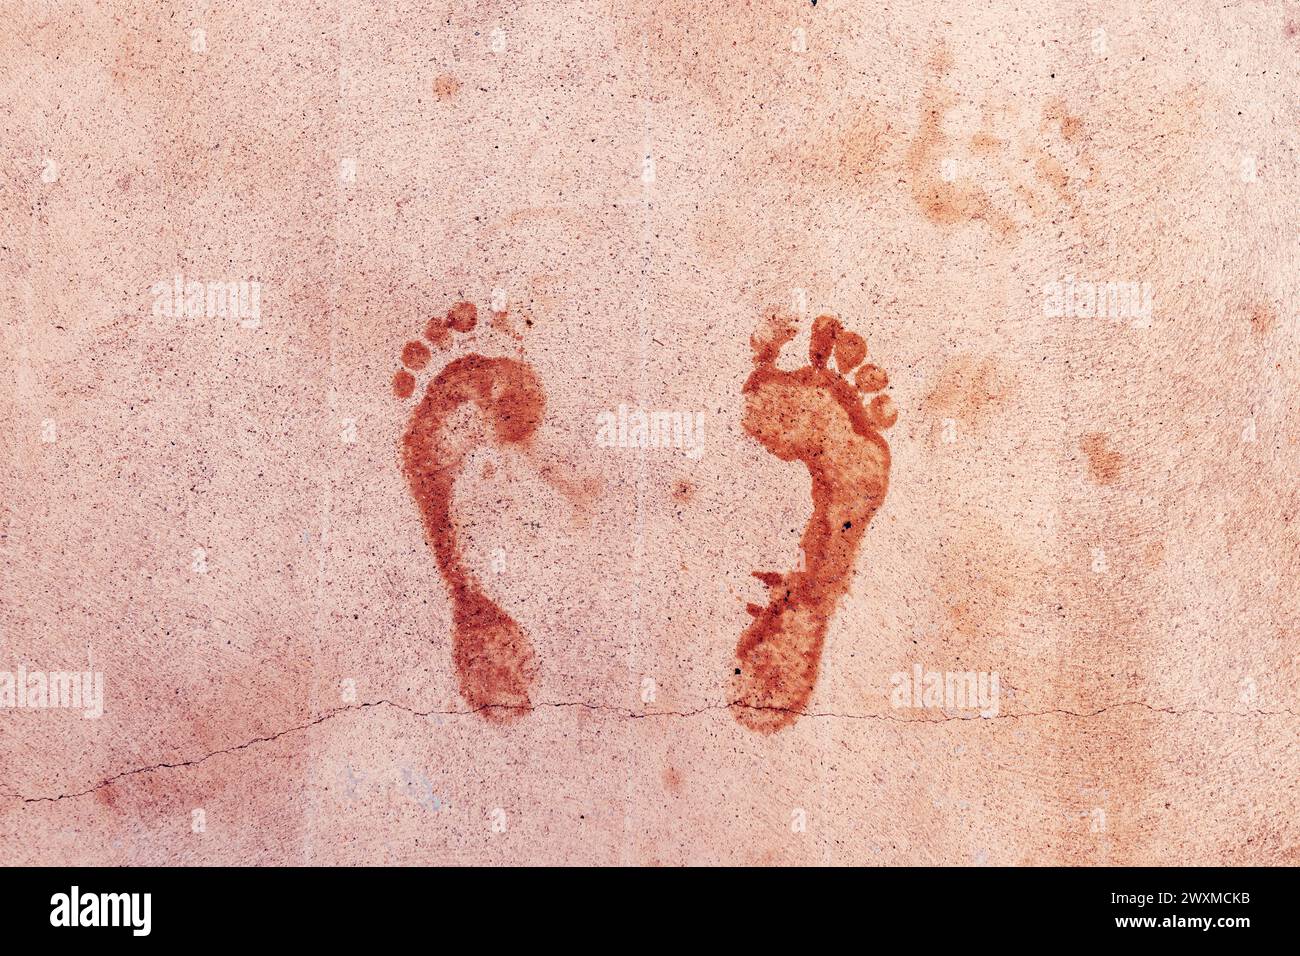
813	415
494	659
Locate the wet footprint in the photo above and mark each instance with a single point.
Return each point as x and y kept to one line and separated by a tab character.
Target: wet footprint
494	659
813	415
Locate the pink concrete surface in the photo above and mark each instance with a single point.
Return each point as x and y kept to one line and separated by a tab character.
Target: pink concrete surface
1097	503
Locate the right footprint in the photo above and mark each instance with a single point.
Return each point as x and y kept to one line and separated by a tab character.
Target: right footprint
816	416
494	659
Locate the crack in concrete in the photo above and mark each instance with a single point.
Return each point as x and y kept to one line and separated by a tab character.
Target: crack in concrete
634	715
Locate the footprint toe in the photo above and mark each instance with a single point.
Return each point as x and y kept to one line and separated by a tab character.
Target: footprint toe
462	316
882	411
871	378
415	355
850	350
826	329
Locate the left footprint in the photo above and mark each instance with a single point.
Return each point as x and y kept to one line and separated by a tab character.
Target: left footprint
495	662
